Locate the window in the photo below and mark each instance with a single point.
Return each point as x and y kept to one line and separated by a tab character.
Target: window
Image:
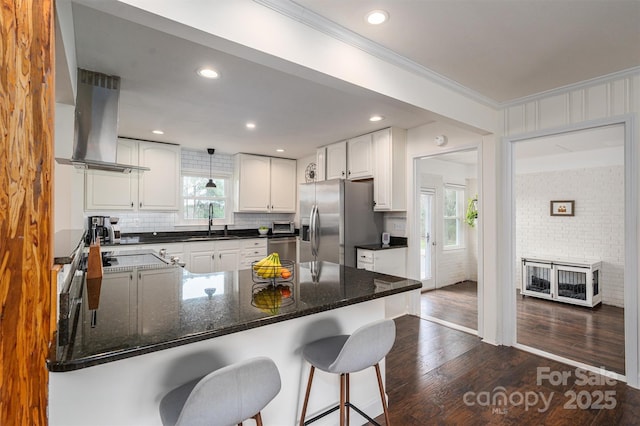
453	216
196	198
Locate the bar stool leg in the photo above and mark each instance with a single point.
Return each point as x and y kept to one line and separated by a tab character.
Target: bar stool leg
347	400
306	396
382	398
342	398
257	418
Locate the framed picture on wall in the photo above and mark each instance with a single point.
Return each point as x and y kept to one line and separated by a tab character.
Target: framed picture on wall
562	208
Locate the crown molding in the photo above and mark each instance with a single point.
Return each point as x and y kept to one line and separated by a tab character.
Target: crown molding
571	87
318	22
305	16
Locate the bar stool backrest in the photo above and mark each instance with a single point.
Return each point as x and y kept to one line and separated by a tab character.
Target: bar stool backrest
231	394
365	347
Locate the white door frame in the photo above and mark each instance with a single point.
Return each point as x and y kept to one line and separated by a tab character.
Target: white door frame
507	237
413	253
433	235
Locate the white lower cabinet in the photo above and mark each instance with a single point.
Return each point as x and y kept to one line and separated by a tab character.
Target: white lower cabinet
128	305
157	289
227	255
252	250
390	261
572	281
213	256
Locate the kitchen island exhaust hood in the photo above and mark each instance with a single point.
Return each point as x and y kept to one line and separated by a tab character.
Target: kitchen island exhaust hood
96	124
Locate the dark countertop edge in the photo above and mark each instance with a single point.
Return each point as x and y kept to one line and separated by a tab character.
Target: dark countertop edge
380	246
64	366
185	236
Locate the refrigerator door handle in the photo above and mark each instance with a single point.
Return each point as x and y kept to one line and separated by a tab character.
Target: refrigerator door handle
316	230
312	230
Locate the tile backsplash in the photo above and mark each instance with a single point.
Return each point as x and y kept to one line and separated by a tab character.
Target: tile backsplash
194	160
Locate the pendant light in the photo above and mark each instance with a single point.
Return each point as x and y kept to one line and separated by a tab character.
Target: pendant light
210	184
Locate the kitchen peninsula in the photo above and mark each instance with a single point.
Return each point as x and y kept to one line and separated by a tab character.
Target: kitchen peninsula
155	328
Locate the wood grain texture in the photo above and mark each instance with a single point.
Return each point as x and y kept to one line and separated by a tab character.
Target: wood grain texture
26	157
431	367
594	336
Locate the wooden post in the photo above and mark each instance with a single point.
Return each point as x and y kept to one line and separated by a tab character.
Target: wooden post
26	166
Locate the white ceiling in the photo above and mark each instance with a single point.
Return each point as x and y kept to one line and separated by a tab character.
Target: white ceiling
500	50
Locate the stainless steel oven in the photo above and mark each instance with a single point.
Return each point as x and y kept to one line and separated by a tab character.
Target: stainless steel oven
286	247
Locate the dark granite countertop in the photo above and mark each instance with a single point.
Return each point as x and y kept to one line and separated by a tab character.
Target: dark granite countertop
395	242
150	310
191	236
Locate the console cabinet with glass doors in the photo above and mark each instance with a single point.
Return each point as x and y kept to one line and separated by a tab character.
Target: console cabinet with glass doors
563	280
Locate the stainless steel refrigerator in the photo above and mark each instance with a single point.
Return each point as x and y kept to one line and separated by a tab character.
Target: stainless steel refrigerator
335	216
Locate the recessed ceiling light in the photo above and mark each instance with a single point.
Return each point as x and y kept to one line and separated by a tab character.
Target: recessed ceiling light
376	118
251	125
279	150
208	73
157	132
377	17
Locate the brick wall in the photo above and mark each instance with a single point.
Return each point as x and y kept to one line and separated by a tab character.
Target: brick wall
595	232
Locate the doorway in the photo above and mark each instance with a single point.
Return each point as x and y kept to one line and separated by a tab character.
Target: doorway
446	187
427	230
586	170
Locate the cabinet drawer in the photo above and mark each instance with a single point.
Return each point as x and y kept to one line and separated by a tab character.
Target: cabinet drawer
254	243
252	252
365	256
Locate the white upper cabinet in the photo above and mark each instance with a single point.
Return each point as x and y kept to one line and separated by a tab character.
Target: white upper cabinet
156	189
265	184
160	186
359	157
352	159
389	178
114	191
321	163
336	162
283	185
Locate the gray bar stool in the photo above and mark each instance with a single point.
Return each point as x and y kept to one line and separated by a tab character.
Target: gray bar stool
225	397
346	354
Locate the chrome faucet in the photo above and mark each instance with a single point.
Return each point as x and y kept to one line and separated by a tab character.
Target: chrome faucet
210	218
225	230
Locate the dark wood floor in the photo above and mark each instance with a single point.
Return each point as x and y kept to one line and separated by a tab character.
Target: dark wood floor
592	336
457	304
431	368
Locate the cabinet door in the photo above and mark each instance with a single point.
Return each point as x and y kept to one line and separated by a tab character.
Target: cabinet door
110	190
227	260
391	261
201	261
114	319
283	185
574	285
321	163
159	187
336	161
382	170
538	279
158	300
359	153
253	183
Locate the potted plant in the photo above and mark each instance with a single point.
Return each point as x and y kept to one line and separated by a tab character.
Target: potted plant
472	212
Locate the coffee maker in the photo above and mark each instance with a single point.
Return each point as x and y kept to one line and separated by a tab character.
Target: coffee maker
98	229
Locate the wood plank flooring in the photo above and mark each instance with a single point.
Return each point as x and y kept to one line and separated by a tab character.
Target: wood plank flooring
457	304
439	376
592	336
